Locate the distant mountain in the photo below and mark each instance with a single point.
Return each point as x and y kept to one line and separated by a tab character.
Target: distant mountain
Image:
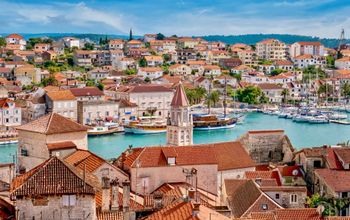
287	38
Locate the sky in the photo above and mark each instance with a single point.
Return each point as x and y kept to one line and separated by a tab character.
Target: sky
322	18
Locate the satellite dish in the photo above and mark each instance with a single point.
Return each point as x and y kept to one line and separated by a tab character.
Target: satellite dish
320	209
295	172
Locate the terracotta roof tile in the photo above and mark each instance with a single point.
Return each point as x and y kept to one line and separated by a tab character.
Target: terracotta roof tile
337	180
61	145
87	91
300	214
60	95
54	177
52	123
84	159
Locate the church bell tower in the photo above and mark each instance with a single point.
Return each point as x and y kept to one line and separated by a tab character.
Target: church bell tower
180	124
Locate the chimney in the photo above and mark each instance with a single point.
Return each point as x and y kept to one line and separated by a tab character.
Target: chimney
106	196
158	200
126	195
191	193
195	209
115	195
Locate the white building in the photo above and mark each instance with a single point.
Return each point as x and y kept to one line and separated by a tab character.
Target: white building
71	42
148	98
301	48
16	40
150	72
343	63
306	60
271	49
10	114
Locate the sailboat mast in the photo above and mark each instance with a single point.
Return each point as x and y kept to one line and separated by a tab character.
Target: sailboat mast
225	95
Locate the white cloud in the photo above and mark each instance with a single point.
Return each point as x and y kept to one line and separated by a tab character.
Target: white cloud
77	15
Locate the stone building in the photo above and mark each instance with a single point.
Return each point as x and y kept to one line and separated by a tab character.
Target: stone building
266	146
52	133
180	124
55	190
94	111
62	102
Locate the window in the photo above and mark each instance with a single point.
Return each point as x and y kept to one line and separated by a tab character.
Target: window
69	200
294	198
277	196
317	164
344	194
264	207
171	160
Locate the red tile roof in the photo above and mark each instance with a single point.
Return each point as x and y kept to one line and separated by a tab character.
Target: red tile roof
52	123
61	145
298	213
84	159
54	177
147	88
61	95
337	180
87	91
14	36
180	97
343	154
316	43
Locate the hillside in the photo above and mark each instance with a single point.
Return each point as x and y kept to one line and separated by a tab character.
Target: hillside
229	39
287	38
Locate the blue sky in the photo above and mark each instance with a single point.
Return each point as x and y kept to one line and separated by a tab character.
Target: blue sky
323	18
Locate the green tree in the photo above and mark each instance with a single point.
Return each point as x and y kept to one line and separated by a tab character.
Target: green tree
345	91
89	46
195	95
325	90
330	61
312	72
213	98
147	80
250	95
130	71
160	36
332	206
2	42
285	94
166	57
100	86
277	71
142	62
49	81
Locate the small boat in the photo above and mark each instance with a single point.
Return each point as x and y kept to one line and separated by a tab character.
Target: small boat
212	122
301	118
146	125
320	119
106	129
337	116
283	115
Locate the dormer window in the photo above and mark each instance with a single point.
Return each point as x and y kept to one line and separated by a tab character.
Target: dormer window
171	161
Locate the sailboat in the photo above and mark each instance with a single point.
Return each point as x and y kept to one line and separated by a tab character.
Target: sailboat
212	121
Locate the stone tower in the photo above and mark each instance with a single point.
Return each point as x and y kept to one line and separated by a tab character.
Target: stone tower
180	124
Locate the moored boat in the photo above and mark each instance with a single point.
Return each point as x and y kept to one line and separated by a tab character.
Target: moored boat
212	122
146	125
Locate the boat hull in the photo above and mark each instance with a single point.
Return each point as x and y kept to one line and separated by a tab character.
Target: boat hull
214	128
132	130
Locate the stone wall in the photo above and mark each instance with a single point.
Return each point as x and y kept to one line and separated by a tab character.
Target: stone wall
267	146
154	177
51	208
35	144
284	198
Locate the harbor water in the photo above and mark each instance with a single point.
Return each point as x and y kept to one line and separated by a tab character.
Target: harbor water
300	134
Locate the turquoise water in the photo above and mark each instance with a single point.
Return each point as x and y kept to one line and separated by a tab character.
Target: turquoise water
300	134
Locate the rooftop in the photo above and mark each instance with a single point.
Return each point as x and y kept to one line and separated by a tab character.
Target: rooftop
52	123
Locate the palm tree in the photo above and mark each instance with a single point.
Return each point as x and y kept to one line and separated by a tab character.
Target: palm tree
213	98
285	93
345	91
